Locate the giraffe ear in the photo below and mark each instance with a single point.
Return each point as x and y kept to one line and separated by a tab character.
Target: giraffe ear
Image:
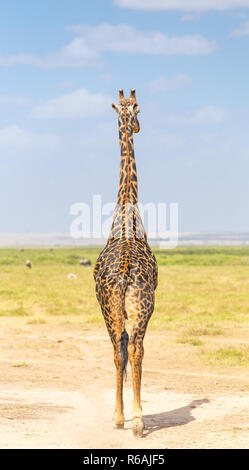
115	107
133	93
136	108
121	94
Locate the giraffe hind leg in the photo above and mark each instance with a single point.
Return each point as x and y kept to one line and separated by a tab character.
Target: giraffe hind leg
120	359
136	352
114	320
139	308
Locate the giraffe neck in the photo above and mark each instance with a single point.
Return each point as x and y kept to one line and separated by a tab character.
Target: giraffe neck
127	223
127	192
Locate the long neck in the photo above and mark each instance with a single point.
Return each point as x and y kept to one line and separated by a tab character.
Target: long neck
127	223
127	192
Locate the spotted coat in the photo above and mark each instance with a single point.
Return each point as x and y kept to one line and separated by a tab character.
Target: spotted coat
126	270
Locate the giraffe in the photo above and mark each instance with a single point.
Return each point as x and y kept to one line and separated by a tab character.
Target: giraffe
126	271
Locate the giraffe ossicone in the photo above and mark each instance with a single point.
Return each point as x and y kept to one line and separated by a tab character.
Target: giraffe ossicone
126	270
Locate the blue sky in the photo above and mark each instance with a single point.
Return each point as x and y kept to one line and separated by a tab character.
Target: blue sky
61	65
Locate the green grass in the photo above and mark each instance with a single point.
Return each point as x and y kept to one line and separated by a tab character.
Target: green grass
45	291
203	293
204	256
201	288
196	256
192	341
204	297
229	356
44	256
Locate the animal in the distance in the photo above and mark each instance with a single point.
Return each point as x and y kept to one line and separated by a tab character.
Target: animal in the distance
72	276
126	270
85	262
28	264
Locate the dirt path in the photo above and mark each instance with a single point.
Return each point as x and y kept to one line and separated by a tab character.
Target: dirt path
57	391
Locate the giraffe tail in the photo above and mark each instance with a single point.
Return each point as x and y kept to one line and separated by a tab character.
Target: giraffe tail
123	351
124	338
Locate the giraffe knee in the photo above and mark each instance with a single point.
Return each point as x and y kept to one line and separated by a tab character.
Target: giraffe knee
131	350
117	361
135	350
117	358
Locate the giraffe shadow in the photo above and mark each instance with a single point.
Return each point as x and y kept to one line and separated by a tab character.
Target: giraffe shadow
168	419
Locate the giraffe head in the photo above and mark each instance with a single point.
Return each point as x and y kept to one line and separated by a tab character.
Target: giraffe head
128	110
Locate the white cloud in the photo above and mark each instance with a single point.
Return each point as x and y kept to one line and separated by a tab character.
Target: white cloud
78	104
125	38
74	54
15	139
20	59
164	84
204	116
92	41
242	30
182	5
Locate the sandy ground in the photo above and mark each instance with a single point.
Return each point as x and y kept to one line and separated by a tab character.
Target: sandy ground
57	391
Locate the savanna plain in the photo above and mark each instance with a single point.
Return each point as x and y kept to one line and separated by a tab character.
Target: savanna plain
57	376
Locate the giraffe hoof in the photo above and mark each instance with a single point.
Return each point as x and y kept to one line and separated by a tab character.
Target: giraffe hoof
119	425
118	422
138	427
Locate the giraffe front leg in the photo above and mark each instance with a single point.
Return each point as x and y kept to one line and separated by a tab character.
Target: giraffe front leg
136	352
